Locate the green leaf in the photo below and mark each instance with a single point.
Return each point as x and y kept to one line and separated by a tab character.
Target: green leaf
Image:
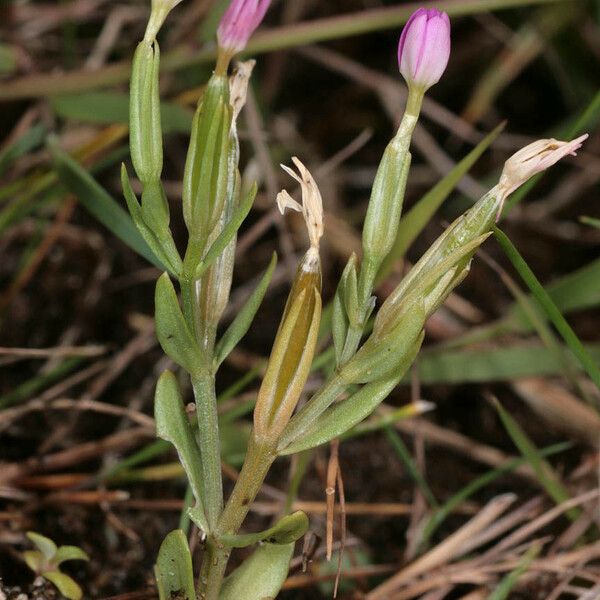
287	530
164	249
261	575
172	330
228	233
173	426
45	545
99	203
65	553
240	325
590	221
105	108
414	221
173	569
344	415
65	584
34	560
542	296
543	471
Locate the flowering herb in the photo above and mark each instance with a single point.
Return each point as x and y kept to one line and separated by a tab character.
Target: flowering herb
365	368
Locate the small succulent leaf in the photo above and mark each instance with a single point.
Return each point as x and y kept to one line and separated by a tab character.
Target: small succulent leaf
173	569
228	233
65	553
34	559
261	575
67	586
344	415
45	545
381	355
165	251
173	426
287	530
198	517
240	325
172	331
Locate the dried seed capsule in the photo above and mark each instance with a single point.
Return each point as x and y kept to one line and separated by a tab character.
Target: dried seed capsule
295	342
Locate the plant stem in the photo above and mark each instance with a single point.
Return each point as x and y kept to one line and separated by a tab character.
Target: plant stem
259	458
210	449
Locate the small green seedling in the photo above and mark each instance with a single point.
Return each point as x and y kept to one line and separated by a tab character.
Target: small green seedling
46	561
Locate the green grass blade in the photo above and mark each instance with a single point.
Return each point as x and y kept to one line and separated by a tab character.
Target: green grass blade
542	296
509	581
99	203
402	451
24	144
106	108
543	471
477	484
452	366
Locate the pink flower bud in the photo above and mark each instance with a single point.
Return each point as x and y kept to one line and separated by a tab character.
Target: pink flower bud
239	22
424	47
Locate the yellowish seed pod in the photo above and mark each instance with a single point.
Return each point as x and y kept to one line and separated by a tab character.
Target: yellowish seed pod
293	351
294	346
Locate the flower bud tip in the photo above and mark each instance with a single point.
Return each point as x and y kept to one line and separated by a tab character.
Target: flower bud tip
239	22
424	47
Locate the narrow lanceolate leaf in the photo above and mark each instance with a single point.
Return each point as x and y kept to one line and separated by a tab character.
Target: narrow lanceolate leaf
172	330
240	325
228	233
345	306
261	575
164	249
414	221
344	415
542	296
286	531
173	569
100	204
173	426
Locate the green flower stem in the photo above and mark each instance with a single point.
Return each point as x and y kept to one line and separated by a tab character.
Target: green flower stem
258	461
210	448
